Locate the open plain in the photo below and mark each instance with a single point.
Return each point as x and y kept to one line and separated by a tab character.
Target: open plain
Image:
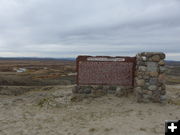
36	99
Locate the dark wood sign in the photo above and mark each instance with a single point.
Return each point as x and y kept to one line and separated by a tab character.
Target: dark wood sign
105	70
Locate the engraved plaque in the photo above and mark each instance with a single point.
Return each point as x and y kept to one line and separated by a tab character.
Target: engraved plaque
105	71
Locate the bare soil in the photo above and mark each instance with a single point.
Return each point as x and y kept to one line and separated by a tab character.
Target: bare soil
50	111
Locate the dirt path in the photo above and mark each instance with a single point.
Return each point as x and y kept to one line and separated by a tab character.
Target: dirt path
51	112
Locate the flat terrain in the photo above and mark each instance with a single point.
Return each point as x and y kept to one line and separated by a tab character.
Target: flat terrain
38	73
49	108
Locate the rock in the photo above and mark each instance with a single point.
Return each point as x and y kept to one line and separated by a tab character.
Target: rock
106	88
150	59
163	87
153	74
147	84
156	58
141	63
139	73
76	98
152	87
139	96
163	92
152	67
144	58
138	89
119	92
163	98
98	93
75	89
156	96
162	63
162	78
162	55
162	69
153	81
146	100
87	90
146	77
140	82
147	92
138	57
140	77
112	88
111	91
81	91
145	96
147	54
142	68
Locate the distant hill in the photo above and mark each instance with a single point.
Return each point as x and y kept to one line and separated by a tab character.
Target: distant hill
172	63
168	62
35	58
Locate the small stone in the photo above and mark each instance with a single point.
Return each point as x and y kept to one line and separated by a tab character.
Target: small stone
81	91
141	63
119	92
163	92
147	83
87	90
146	98
162	55
153	81
162	69
147	92
139	73
150	59
98	92
148	54
162	63
156	58
139	97
75	89
138	89
163	87
152	87
146	77
112	88
163	97
152	67
140	77
106	87
111	91
162	78
153	74
142	68
140	82
156	96
138	57
76	98
144	58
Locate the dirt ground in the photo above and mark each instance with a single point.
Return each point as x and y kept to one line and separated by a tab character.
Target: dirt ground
51	111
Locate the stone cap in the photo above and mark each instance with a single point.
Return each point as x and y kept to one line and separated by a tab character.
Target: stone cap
150	54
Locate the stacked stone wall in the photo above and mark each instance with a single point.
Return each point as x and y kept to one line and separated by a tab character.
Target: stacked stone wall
100	90
150	77
149	81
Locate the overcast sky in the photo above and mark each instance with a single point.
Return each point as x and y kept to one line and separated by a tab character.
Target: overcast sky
67	28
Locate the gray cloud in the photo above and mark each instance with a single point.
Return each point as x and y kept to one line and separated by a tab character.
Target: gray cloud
67	28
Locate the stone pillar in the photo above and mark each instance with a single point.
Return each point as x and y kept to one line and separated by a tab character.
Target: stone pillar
150	77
